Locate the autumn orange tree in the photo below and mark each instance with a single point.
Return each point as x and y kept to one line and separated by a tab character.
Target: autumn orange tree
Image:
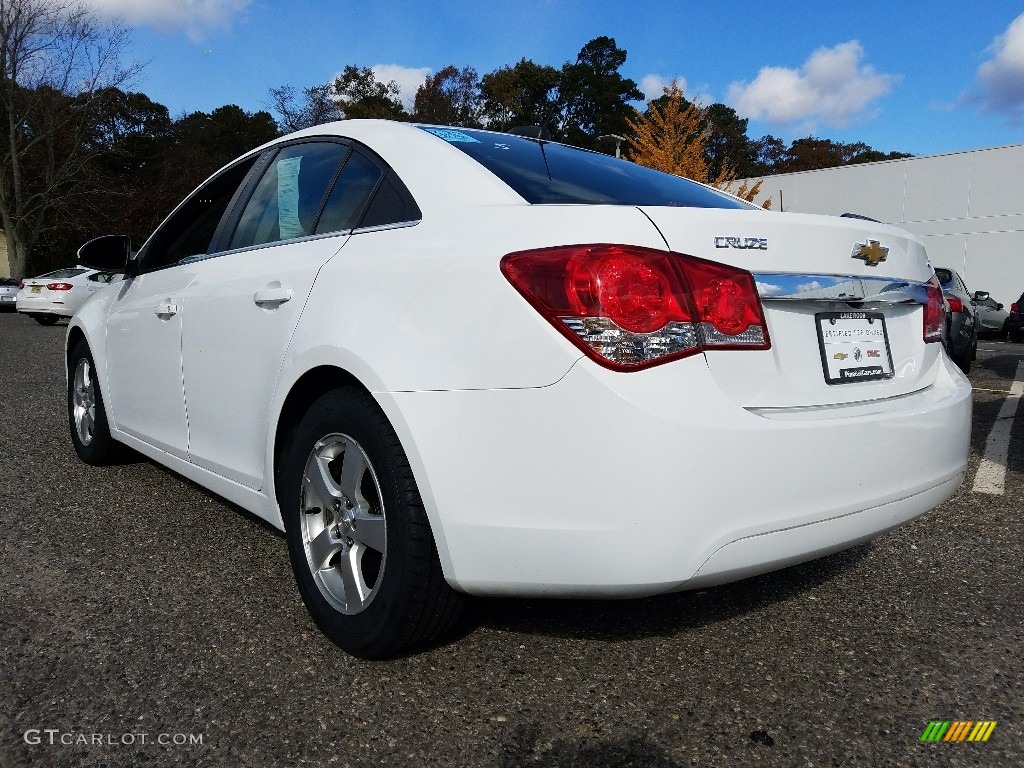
672	137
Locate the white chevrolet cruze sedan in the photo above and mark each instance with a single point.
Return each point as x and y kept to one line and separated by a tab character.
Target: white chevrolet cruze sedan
448	361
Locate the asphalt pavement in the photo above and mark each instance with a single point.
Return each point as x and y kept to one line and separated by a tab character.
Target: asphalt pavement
145	623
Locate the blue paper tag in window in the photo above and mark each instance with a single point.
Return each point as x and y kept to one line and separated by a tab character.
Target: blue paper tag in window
452	136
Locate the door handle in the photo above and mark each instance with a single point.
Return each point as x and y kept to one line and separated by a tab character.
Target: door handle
166	308
272	296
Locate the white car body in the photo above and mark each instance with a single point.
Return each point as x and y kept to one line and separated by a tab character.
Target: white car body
543	472
60	293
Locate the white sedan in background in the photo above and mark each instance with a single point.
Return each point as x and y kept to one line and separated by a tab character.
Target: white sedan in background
447	361
58	294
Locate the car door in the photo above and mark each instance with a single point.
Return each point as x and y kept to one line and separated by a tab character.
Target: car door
244	304
144	377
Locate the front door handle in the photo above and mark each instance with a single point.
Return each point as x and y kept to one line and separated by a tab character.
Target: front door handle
166	308
272	296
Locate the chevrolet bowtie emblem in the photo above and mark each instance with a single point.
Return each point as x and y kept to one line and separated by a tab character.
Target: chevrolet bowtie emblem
872	252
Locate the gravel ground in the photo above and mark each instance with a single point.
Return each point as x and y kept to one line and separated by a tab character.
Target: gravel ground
135	609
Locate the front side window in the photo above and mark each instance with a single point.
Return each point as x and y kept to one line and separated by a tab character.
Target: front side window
287	200
189	232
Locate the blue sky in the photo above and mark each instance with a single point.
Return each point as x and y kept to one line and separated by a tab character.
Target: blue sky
918	77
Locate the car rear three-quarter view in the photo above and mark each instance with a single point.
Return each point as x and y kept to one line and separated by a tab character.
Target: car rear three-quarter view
448	361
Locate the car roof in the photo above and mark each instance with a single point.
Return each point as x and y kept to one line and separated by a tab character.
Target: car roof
417	157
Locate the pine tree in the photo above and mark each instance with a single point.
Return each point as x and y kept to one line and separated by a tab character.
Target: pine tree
672	137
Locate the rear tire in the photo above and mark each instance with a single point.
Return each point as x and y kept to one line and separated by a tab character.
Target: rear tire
46	319
358	537
963	359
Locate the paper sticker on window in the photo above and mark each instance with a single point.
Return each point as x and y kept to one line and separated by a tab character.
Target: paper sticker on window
454	136
288	198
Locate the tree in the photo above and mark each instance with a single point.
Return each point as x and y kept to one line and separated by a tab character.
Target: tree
451	97
771	155
672	137
57	63
593	97
358	93
727	144
314	107
523	95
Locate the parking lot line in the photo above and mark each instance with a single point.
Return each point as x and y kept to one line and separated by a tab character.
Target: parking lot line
991	475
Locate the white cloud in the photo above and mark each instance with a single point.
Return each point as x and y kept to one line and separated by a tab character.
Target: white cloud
832	87
1002	76
409	79
194	17
653	87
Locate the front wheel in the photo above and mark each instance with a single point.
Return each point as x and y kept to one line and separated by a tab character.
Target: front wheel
87	417
358	536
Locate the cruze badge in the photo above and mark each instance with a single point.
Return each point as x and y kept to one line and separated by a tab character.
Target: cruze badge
744	243
872	252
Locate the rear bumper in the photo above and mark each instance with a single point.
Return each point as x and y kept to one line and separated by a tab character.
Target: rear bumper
41	306
625	485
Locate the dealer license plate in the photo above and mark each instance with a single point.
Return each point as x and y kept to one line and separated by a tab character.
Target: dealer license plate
854	346
37	289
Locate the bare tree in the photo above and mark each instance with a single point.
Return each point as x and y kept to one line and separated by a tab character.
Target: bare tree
313	107
57	60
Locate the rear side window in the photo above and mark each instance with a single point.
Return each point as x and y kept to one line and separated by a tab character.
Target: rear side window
391	205
287	200
348	198
543	172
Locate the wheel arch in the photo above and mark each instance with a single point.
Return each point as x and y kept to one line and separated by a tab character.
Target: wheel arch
75	335
306	389
319	380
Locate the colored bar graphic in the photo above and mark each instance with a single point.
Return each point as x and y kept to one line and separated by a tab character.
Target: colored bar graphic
958	730
935	731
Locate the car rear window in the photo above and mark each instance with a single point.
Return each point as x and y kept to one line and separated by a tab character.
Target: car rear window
544	172
63	273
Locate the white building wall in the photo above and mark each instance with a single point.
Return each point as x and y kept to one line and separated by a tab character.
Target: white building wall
967	207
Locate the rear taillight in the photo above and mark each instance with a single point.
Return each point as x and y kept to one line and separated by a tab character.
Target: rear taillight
59	286
21	285
934	312
955	305
1013	309
629	307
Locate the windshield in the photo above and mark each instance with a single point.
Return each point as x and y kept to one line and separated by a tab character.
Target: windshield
543	172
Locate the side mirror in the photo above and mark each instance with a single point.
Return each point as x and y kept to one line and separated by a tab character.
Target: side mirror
981	295
998	305
110	252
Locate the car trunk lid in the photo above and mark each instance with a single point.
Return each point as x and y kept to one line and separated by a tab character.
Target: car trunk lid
843	300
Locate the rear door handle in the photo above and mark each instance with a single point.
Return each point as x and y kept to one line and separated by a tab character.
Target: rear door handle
272	296
166	308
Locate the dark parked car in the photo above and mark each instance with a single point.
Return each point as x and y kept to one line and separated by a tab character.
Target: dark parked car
961	320
1015	322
